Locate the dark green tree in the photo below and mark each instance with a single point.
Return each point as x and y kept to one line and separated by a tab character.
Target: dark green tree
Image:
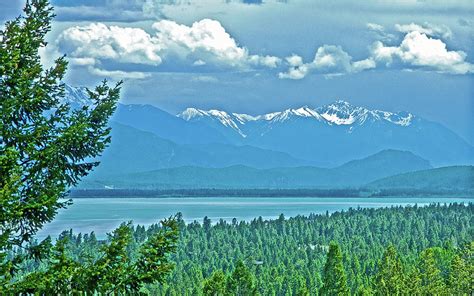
241	282
390	279
334	276
46	147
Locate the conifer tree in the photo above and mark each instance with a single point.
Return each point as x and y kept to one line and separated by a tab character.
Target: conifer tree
241	282
334	277
215	285
389	279
431	280
46	147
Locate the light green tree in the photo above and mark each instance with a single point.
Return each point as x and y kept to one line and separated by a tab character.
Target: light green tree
334	276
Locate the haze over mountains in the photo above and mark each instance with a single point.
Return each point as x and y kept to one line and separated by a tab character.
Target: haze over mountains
294	146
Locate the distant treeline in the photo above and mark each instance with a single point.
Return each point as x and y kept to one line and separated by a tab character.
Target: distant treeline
347	192
215	193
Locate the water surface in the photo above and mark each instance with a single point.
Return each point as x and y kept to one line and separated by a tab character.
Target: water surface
102	215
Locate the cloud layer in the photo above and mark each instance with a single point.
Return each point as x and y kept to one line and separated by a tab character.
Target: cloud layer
205	46
204	43
420	49
417	50
329	60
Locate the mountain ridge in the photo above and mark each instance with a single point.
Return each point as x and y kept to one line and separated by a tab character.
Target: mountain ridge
356	173
326	136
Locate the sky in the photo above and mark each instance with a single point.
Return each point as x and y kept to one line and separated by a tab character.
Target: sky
252	56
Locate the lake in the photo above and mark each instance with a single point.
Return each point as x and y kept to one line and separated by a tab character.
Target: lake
102	215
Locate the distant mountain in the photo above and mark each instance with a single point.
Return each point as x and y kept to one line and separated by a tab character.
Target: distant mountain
327	136
165	125
133	150
446	178
354	173
76	97
338	132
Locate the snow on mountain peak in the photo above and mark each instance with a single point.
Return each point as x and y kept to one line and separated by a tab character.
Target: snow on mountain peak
76	97
343	113
226	119
338	113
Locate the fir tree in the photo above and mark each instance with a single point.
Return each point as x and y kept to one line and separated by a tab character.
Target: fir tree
389	279
334	277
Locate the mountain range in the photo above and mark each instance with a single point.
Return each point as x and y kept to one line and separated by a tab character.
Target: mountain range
336	133
352	174
147	140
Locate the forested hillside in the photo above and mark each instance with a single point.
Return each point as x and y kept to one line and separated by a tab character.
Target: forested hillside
432	252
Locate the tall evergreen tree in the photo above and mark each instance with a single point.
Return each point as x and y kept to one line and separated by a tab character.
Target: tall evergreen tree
46	147
431	280
215	285
241	282
460	279
334	277
390	279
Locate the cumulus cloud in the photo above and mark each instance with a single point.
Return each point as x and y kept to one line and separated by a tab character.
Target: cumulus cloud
329	60
208	42
98	41
420	51
204	43
428	29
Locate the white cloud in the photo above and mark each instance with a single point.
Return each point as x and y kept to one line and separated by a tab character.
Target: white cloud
208	41
419	50
117	74
101	42
203	43
329	60
380	32
427	29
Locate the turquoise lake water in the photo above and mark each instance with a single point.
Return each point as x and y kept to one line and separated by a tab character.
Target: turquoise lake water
102	215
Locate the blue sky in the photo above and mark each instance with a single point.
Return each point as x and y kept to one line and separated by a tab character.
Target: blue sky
261	56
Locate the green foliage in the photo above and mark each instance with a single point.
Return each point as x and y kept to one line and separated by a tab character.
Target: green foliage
215	285
46	147
241	282
390	279
288	256
334	277
431	279
112	270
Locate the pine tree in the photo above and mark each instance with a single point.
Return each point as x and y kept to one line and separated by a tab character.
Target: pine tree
459	279
334	277
389	279
241	282
431	280
46	147
215	285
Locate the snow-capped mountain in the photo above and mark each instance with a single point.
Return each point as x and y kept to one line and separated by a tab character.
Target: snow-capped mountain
76	96
339	113
325	136
338	132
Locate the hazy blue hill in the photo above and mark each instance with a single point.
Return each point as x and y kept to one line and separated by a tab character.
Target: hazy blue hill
387	162
167	126
446	178
354	173
133	150
332	145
